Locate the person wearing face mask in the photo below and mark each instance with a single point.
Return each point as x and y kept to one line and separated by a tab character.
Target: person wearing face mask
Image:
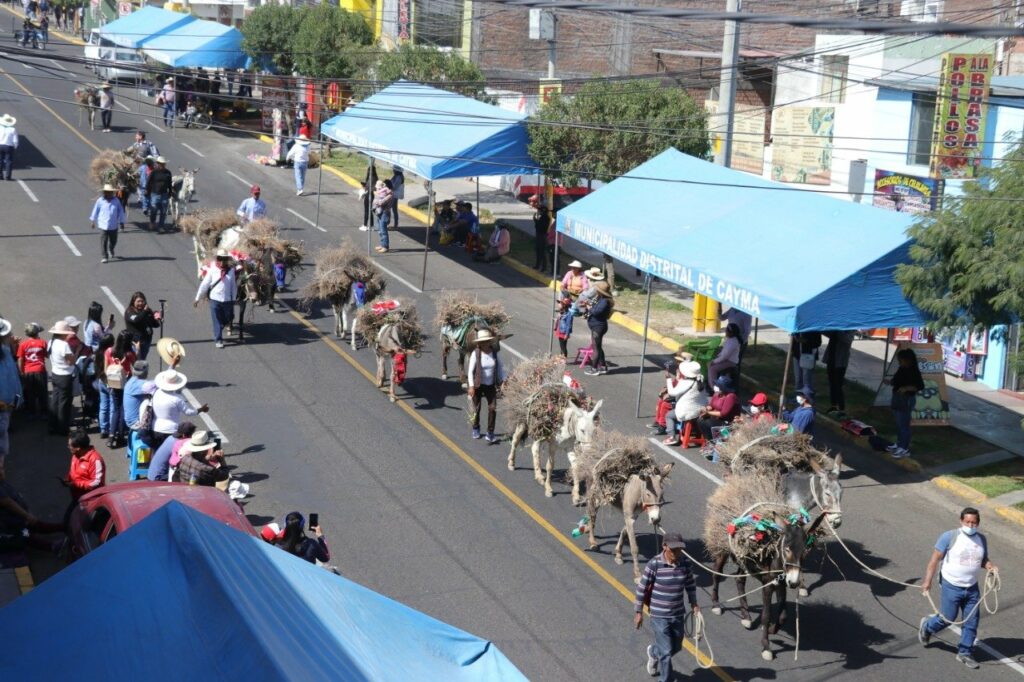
759	409
802	418
961	552
722	409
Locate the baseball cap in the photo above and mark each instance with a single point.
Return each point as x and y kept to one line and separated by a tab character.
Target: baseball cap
673	541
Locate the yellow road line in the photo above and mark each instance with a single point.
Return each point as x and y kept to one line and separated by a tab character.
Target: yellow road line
46	106
501	487
25	581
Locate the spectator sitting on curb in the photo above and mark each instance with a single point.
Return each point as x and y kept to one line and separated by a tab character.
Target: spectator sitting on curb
802	418
498	245
87	471
201	463
574	282
164	462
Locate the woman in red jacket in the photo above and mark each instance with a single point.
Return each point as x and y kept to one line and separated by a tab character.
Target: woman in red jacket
87	471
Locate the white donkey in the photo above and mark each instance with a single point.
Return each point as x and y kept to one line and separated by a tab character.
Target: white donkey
346	318
183	188
575	430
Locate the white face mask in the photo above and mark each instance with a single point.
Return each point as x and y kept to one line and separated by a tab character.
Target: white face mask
968	530
716	389
800	400
754	409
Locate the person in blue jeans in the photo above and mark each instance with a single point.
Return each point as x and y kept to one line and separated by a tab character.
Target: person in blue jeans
962	552
107	409
665	587
906	383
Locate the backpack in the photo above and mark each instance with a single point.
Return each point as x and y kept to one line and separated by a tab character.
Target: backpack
145	422
949	537
115	375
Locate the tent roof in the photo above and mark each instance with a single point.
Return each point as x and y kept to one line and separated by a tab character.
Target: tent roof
198	43
434	133
799	260
182	596
137	28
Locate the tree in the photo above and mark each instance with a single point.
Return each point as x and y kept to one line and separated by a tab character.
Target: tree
607	128
424	64
329	42
269	34
967	266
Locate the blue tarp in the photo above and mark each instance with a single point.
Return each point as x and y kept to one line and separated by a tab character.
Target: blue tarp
198	43
798	260
181	596
138	28
434	133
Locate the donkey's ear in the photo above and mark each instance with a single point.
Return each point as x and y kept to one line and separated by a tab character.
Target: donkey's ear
815	466
837	468
666	470
597	407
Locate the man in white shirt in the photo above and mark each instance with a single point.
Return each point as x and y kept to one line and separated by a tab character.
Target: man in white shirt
8	143
62	378
253	207
220	287
299	156
107	216
962	553
169	407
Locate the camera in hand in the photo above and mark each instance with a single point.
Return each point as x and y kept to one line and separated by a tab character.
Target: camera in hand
314	520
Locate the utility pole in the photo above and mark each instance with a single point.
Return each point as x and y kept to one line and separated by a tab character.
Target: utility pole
727	84
551	46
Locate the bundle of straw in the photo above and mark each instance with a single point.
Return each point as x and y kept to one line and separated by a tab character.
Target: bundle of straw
262	235
609	462
206	226
755	446
754	492
336	270
114	168
534	395
404	317
454	308
87	95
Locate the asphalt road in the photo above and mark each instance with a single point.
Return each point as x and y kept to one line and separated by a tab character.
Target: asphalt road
411	505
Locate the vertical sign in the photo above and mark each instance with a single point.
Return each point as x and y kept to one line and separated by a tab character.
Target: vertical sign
404	26
931	407
960	109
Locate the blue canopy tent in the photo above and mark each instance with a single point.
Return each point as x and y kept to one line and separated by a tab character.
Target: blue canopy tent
138	28
181	596
799	260
435	134
198	43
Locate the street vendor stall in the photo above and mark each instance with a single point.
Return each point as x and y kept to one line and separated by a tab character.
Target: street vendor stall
138	28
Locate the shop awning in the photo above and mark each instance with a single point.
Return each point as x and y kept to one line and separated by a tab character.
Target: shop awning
181	596
796	259
434	133
138	28
198	43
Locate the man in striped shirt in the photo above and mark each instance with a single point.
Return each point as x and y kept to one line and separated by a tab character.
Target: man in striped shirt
665	580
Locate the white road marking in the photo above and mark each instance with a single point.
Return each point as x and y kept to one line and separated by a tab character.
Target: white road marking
210	424
71	244
154	125
57	64
113	299
706	474
241	179
302	217
122	105
416	289
513	351
30	193
1000	658
193	150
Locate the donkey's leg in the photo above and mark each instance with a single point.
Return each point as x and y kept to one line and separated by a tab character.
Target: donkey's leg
719	565
538	474
766	610
618	546
631	533
391	384
340	321
463	379
354	330
445	347
591	522
552	448
380	368
741	585
517	438
576	499
780	589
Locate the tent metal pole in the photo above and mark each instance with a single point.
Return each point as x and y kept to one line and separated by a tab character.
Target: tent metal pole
643	351
885	360
478	198
426	235
368	197
320	179
756	323
554	292
785	376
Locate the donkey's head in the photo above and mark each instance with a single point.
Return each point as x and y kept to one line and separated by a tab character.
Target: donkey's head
579	424
649	493
827	491
793	547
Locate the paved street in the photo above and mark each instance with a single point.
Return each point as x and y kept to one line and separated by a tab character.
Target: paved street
411	506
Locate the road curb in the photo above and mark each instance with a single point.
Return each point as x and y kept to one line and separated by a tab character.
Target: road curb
980	499
25	580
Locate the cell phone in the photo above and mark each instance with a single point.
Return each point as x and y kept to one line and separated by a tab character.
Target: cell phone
216	443
314	520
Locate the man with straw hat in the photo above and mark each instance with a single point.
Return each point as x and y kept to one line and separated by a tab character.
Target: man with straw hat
220	288
201	462
169	407
485	374
158	193
8	143
62	378
107	216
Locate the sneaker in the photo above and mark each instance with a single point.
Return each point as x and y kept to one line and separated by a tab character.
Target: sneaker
104	435
363	228
491	438
968	660
660	431
299	193
892	448
220	344
923	636
602	371
652	662
591	371
672	440
103	260
900	453
476	434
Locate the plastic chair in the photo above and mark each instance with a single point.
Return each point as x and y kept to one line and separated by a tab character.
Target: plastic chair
139	456
704	351
690	437
585	355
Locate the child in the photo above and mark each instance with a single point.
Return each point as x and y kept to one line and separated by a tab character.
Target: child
563	324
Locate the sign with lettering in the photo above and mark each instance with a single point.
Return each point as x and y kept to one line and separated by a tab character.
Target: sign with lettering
802	145
961	107
931	405
403	29
905	193
547	88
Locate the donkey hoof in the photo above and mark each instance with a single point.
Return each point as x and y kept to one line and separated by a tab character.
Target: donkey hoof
767	655
577	501
592	545
636	580
465	386
539	479
717	610
746	622
444	377
511	465
392	398
549	493
803	592
618	559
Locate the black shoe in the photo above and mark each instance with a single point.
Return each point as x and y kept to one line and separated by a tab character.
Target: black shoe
660	431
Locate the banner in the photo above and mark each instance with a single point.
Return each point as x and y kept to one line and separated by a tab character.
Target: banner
961	107
931	408
802	145
747	137
905	193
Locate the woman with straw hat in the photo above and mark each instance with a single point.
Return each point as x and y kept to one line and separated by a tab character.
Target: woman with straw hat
600	310
485	375
8	143
62	378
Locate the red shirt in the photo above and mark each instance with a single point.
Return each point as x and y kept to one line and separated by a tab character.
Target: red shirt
126	362
87	473
33	354
727	404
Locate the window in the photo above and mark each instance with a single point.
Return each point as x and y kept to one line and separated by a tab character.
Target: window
834	69
922	121
927	11
437	22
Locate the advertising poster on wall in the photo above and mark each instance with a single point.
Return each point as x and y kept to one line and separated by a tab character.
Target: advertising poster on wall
905	193
961	108
748	137
802	145
932	405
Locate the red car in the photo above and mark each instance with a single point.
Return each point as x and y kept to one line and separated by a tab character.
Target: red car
112	509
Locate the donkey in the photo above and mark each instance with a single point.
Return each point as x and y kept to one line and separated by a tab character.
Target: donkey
345	315
388	348
449	342
785	560
89	101
183	188
576	430
641	493
816	489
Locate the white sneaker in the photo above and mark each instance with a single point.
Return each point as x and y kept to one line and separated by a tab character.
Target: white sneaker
892	448
652	662
299	193
220	344
900	453
363	228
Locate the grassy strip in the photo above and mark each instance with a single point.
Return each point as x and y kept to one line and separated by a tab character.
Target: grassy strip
1019	505
348	163
995	479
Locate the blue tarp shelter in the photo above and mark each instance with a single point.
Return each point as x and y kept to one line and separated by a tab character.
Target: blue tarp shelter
434	133
798	260
180	596
138	28
198	43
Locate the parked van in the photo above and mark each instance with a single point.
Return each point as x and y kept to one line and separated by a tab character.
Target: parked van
93	45
120	64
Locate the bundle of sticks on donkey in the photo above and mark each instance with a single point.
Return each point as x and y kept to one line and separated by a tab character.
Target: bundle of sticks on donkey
348	280
460	317
392	329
